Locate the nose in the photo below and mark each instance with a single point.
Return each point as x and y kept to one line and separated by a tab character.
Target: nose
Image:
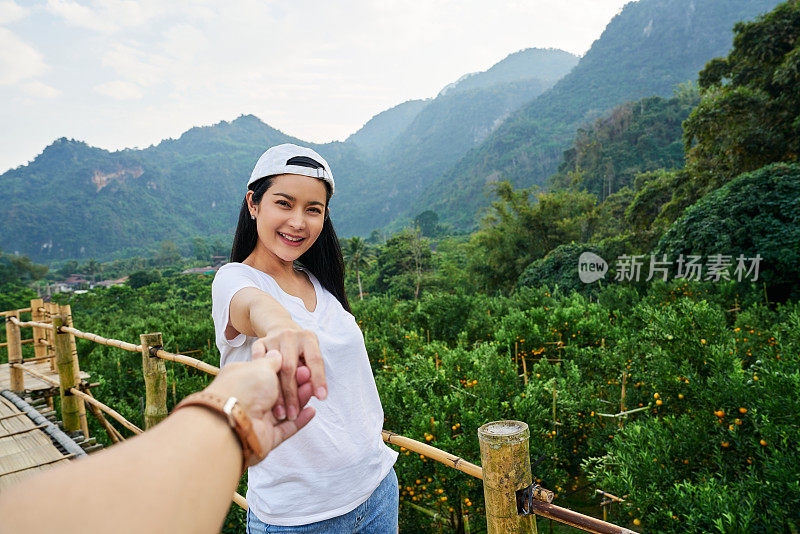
297	220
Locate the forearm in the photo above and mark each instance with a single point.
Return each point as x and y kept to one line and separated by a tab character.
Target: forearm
178	477
267	315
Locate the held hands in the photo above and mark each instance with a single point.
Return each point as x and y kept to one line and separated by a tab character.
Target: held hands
293	344
255	385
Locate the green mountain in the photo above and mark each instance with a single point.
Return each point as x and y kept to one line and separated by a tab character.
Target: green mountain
462	115
647	49
384	127
634	138
77	201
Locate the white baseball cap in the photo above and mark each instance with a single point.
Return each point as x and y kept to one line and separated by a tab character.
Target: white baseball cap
292	159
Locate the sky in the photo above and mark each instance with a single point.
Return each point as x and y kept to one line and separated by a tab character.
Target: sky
129	73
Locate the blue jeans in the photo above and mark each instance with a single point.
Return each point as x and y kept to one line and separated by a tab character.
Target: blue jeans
376	515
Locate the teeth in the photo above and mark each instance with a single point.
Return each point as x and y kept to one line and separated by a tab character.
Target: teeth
291	238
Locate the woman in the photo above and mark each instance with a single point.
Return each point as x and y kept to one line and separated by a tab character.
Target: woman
339	475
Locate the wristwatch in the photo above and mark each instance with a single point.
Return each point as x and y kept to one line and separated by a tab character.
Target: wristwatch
236	417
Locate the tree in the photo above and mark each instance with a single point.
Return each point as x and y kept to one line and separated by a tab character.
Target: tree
200	249
68	268
747	117
355	257
143	278
428	223
754	214
92	267
168	253
403	263
517	231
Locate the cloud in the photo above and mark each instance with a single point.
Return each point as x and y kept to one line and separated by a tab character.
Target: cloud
132	64
183	41
120	90
81	16
38	89
18	60
11	12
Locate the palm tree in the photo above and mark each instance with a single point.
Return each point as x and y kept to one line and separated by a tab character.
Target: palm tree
355	256
92	267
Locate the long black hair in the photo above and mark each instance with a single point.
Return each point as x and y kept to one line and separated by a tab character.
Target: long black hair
324	258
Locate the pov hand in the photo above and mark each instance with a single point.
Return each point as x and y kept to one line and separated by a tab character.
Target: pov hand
255	385
294	344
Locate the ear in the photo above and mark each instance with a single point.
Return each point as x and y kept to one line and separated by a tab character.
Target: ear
250	206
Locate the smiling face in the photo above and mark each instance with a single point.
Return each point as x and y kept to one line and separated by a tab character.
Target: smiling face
289	217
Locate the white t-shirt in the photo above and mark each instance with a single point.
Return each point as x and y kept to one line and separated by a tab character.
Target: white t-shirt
336	461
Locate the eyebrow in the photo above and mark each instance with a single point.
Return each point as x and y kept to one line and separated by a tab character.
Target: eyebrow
290	197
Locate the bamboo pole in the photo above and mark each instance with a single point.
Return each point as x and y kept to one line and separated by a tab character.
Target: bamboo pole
110	411
39	333
22	342
186	360
50	309
241	501
40	376
506	469
433	453
68	379
73	347
524	369
622	395
155	381
113	433
15	312
13	338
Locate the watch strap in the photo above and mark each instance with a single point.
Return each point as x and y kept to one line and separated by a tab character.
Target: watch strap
236	417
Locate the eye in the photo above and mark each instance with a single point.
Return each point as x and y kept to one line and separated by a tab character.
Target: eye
283	203
316	210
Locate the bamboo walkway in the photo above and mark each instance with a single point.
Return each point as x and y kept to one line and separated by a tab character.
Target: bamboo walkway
35	386
25	447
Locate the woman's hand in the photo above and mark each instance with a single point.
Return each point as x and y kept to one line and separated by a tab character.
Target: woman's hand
255	386
294	345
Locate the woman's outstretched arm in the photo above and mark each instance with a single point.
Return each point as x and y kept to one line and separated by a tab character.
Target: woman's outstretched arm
255	313
177	477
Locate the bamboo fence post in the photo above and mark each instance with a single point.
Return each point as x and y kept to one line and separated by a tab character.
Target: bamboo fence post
506	468
66	312
155	381
50	310
40	337
14	347
67	378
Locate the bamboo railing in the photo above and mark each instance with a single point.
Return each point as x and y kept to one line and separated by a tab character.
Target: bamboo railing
505	454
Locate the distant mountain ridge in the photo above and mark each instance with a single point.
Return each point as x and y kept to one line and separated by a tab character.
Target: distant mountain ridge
647	49
512	121
100	203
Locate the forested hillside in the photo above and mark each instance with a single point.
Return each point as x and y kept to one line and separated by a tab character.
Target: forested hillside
674	384
647	49
131	200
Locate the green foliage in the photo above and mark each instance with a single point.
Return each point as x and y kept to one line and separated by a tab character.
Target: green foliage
402	265
647	49
143	278
756	213
516	232
748	115
635	137
16	269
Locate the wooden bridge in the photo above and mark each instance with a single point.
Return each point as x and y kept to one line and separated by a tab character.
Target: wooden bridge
30	442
